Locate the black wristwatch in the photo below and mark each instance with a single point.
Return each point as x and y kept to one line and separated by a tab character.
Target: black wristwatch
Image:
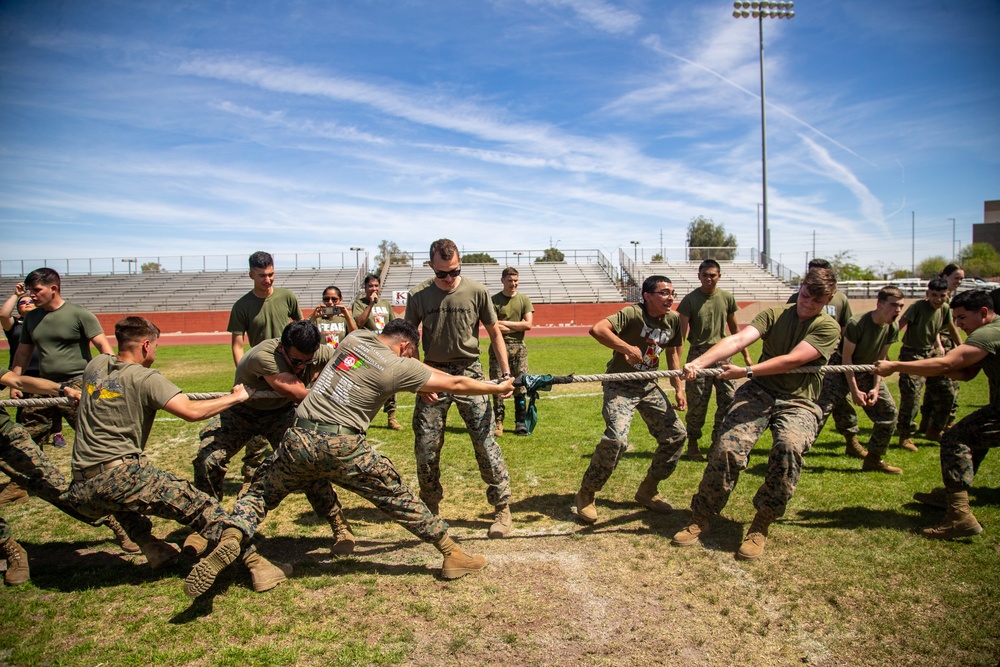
749	372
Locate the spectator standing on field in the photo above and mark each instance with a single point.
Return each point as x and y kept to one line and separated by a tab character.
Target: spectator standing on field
514	318
372	312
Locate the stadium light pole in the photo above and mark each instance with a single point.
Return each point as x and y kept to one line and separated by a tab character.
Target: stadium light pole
635	251
954	257
518	255
761	11
130	261
357	257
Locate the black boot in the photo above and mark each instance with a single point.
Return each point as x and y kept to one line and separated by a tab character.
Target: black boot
520	415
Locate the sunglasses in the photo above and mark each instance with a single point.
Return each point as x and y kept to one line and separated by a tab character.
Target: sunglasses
26	302
295	363
454	273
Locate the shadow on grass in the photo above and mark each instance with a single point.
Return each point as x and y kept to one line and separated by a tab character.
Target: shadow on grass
850	518
59	566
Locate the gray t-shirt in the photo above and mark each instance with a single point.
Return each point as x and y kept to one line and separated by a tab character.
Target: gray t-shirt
450	320
266	359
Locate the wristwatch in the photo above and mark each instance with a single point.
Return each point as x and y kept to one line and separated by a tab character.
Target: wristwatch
749	372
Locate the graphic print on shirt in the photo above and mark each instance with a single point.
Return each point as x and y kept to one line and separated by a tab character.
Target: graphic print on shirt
103	388
655	340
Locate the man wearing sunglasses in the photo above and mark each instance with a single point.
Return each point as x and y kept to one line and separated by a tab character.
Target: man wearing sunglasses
285	365
450	309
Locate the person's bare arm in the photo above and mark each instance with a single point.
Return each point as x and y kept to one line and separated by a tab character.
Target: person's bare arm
509	326
801	354
852	382
8	307
956	338
963	357
32	385
288	385
101	342
734	328
605	334
500	350
464	386
724	349
673	355
237	344
348	318
193	411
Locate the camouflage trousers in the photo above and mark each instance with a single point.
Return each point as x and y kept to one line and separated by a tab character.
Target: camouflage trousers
965	445
941	394
927	407
699	393
45	421
309	461
835	398
517	360
794	423
621	400
227	433
23	461
429	421
134	490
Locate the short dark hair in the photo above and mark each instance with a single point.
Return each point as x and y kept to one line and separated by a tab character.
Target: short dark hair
709	264
303	335
950	269
400	329
816	263
133	329
370	277
938	284
340	295
261	260
820	282
889	292
650	283
444	248
973	300
43	276
509	271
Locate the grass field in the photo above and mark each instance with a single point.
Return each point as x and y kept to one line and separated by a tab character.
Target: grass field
845	579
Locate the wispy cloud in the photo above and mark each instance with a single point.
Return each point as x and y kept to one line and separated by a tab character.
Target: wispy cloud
601	15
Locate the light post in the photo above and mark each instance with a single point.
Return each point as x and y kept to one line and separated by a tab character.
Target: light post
954	257
357	256
130	261
761	11
518	255
635	251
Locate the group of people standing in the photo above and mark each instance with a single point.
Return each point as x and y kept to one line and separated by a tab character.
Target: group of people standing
327	376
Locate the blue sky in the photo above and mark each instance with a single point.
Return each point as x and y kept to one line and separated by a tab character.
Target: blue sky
186	128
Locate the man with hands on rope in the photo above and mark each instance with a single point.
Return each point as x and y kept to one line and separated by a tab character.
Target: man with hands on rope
638	334
795	335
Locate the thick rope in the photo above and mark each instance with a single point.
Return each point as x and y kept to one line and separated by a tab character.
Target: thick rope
558	379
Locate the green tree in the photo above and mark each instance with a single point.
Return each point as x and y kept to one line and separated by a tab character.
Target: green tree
389	250
478	258
707	240
980	260
552	254
152	267
931	267
846	269
656	258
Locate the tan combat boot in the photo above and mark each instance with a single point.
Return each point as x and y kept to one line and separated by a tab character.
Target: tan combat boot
874	463
498	431
958	519
203	575
502	522
649	497
264	574
393	423
194	545
753	543
121	537
854	448
586	509
157	552
17	563
342	533
693	532
907	443
457	563
12	493
934	433
936	498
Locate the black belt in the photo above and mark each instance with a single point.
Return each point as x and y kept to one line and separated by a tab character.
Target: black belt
95	470
338	429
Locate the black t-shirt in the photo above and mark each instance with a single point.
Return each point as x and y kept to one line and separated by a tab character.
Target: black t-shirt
13	340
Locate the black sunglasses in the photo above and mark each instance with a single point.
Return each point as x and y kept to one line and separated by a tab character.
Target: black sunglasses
454	273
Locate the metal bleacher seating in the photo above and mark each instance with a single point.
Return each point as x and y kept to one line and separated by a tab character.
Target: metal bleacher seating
746	281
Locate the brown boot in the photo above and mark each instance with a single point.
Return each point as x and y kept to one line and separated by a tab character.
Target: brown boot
194	545
934	434
502	523
874	463
650	498
264	574
157	552
693	532
457	563
17	563
906	442
586	509
12	493
343	535
936	498
393	423
692	453
121	537
958	519
203	575
498	431
854	448
753	543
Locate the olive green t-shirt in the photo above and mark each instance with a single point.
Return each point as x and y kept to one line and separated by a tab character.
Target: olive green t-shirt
119	402
839	307
987	337
781	331
650	335
380	315
333	329
512	309
869	338
261	319
707	315
924	323
450	320
266	360
61	338
363	374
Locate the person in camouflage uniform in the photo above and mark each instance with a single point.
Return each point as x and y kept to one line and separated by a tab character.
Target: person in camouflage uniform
963	446
638	334
797	335
111	473
705	314
924	322
866	339
372	312
954	275
450	309
514	318
327	443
